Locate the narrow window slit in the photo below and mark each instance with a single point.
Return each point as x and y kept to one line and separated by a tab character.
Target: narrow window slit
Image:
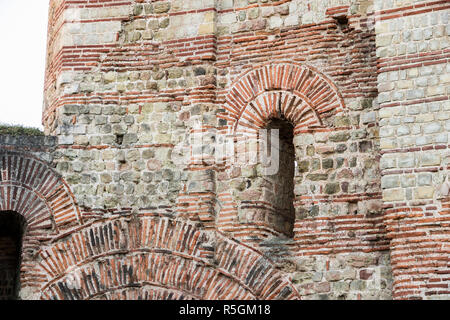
283	180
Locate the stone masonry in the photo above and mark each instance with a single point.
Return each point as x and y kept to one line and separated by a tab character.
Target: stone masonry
134	194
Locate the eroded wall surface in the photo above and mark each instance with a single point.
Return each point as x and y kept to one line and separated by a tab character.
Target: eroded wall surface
143	96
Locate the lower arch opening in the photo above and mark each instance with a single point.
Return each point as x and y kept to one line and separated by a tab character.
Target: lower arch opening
12	226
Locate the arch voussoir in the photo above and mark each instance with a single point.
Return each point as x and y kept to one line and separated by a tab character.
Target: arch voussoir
169	254
281	90
31	188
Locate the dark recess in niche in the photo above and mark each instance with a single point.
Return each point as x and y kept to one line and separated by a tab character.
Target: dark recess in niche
119	139
12	228
342	22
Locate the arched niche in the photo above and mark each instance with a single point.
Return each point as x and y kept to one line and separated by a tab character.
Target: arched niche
286	96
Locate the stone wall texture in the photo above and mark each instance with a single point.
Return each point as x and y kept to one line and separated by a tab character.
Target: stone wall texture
131	194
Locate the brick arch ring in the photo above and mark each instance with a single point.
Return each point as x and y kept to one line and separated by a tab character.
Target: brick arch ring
157	257
31	188
299	93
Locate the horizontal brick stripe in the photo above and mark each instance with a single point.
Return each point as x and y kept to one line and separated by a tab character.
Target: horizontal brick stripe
415	9
414	61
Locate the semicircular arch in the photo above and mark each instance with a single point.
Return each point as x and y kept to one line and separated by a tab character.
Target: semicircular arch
297	92
160	252
31	188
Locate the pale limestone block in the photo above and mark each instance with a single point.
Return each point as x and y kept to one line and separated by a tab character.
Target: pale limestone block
425	192
275	22
394	194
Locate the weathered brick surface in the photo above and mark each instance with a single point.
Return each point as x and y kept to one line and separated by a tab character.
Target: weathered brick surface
146	203
413	51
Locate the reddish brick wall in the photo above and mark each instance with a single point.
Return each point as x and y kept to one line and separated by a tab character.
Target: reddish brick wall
42	201
420	250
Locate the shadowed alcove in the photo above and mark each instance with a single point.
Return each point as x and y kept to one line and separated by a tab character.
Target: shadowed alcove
12	227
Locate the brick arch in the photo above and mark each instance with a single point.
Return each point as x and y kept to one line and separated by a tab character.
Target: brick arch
160	253
174	273
146	292
300	93
31	188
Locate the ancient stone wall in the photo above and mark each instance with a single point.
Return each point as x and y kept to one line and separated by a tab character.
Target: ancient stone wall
414	85
159	188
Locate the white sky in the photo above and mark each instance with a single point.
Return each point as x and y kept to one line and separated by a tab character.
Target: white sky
23	26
